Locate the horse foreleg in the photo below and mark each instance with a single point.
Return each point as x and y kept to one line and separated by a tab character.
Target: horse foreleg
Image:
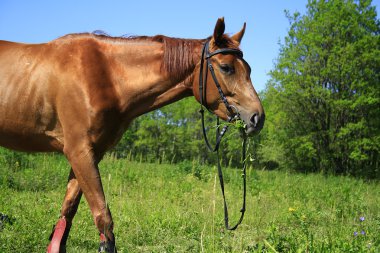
86	172
70	205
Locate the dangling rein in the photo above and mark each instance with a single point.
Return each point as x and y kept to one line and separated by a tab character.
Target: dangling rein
234	115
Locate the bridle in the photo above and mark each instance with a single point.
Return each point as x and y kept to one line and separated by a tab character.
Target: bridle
233	115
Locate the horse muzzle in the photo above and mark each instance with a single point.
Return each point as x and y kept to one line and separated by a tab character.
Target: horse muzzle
254	123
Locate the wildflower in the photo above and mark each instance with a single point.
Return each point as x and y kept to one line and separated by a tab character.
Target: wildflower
291	209
362	232
362	218
355	233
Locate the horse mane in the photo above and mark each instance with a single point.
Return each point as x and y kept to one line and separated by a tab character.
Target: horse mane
179	58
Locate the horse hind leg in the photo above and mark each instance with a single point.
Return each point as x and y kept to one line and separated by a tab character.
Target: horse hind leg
70	205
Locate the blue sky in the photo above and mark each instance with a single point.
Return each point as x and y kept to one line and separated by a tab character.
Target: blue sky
41	21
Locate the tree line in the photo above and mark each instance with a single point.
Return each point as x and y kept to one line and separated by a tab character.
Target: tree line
174	134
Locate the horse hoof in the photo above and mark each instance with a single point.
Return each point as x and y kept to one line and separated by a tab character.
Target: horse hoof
56	237
106	246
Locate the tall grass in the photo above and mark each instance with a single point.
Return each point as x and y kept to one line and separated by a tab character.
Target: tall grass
178	208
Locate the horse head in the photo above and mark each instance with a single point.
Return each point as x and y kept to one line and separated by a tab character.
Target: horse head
225	87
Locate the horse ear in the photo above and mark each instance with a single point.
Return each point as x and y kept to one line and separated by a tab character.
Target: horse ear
219	29
238	36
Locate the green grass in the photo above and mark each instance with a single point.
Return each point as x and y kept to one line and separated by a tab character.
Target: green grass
178	208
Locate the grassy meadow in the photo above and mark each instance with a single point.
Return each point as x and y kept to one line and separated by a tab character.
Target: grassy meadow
178	208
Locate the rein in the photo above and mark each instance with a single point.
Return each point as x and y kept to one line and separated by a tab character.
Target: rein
234	115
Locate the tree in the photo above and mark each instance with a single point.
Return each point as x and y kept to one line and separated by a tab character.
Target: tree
323	96
173	134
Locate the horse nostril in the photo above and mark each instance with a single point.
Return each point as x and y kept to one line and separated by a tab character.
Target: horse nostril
255	119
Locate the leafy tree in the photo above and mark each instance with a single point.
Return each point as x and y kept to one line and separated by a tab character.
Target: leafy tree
323	97
173	134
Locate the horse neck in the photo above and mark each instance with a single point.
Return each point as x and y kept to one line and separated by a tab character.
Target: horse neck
149	81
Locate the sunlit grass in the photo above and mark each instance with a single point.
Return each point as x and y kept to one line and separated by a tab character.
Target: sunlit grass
178	208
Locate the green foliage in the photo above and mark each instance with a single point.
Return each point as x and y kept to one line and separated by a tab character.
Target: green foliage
178	208
15	160
323	99
173	134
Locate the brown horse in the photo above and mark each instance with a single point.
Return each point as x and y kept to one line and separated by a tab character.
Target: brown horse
78	94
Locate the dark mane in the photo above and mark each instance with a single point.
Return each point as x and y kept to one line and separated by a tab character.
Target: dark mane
179	58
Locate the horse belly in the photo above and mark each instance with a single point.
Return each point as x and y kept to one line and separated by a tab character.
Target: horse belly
30	142
29	128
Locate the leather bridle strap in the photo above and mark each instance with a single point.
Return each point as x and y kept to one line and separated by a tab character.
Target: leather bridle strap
206	55
220	173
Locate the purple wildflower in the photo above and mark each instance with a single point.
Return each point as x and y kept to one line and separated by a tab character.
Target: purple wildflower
362	232
355	233
362	218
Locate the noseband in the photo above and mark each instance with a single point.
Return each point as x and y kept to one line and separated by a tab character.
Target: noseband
233	115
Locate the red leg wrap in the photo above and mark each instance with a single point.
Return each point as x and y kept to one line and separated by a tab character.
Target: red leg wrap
102	237
56	238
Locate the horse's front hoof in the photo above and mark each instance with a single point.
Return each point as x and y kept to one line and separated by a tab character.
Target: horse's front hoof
56	237
106	246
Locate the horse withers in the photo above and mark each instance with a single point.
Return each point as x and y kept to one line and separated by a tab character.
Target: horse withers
78	94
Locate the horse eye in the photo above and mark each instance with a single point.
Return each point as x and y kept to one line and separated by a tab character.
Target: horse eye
226	69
